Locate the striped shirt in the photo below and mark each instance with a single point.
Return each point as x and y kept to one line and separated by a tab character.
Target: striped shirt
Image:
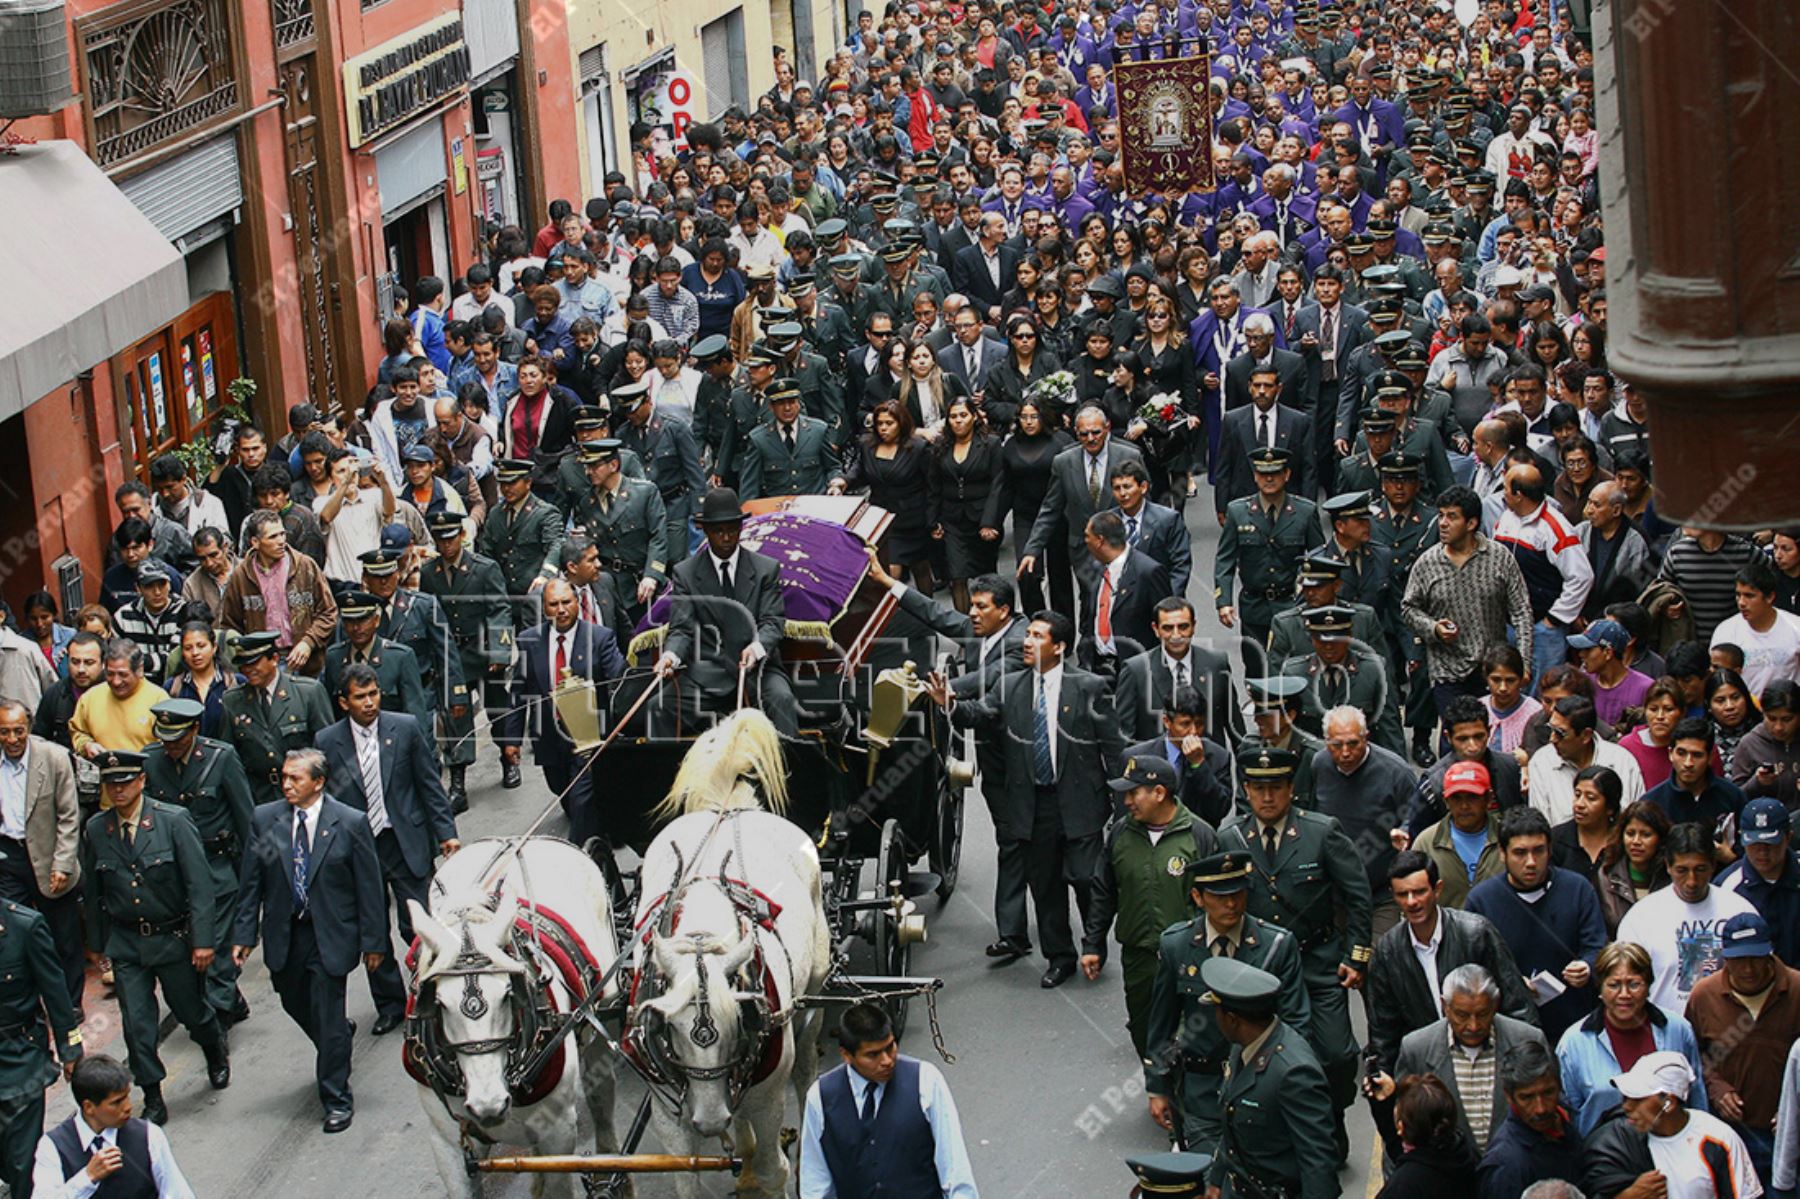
679	316
1708	580
1482	597
1475	1084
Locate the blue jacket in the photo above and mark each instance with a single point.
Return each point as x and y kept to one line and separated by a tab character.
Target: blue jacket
1779	901
1588	1065
1518	1155
1547	935
412	789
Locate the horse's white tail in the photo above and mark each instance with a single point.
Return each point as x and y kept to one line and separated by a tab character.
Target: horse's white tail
715	772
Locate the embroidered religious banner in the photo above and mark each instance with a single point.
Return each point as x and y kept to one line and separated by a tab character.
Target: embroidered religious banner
1165	125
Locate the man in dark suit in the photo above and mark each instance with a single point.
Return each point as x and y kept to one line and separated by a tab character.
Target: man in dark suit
1205	782
312	889
866	361
789	455
563	644
973	354
1263	423
1080	478
1260	354
1156	529
726	622
386	768
1147	682
984	271
1327	332
1061	740
1117	612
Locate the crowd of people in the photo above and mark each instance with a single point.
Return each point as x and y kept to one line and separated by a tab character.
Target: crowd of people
1492	742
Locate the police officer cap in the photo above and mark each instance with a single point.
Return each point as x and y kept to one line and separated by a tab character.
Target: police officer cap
627	396
1378	420
358	605
1385	310
846	264
895	251
1330	621
379	563
1398	464
1393	341
1385	272
1359	243
884	201
1381	227
1171	1175
1320	567
1271	694
1381	70
1481	182
252	647
761	355
1222	874
1239	987
831	230
511	470
802	286
1410	358
418	451
444	524
174	718
1145	770
1267	764
925	183
1271	459
1348	506
710	348
589	418
897	226
601	449
1437	233
784	334
1392	383
120	765
783	389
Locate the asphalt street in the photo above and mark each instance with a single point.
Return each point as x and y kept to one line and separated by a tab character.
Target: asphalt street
1048	1088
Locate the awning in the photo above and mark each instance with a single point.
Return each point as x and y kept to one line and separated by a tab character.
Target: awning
99	275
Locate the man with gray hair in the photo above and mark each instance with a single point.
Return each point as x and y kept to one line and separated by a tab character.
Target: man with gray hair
1465	1050
1550	1188
1260	354
1366	788
1621	558
1257	269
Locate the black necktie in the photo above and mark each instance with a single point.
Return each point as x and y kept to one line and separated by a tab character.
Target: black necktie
725	575
787	435
1262	429
1221	946
1269	841
869	1106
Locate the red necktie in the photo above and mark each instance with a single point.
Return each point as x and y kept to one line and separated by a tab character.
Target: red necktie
587	606
1103	612
562	661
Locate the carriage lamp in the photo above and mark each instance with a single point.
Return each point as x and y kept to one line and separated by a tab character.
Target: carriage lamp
909	922
578	706
895	691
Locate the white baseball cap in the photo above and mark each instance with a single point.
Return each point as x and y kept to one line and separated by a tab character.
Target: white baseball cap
1664	1072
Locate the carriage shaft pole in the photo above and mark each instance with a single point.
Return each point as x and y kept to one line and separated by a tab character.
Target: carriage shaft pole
611	1163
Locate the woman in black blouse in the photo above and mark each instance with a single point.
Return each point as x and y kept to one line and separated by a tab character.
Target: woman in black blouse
893	463
1024	481
965	513
1056	329
1169	370
1027	360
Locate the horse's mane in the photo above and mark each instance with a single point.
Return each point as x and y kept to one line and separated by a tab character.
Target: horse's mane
719	769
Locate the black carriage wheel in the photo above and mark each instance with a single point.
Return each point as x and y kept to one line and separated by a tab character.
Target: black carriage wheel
893	956
947	836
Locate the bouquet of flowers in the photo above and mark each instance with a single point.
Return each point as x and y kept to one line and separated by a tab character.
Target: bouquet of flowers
1161	411
1055	393
1160	428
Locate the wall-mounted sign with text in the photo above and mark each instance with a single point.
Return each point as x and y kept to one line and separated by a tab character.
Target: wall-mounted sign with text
399	79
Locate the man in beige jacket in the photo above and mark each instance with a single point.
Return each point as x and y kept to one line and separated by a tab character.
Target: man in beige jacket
40	822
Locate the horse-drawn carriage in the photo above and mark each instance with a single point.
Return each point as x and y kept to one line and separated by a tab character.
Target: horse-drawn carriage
713	958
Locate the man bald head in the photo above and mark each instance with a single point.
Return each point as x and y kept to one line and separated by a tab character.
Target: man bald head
1491	442
1605	508
559	604
446	414
1524	489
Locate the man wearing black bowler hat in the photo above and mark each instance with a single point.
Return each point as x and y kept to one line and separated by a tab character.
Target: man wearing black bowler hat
726	622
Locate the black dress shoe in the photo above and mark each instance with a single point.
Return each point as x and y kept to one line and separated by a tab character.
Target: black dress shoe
337	1121
237	1013
1058	974
459	791
1007	950
510	776
155	1110
218	1074
385	1023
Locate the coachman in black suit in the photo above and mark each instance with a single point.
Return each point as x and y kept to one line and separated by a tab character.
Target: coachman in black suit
312	891
726	622
383	765
563	643
1062	746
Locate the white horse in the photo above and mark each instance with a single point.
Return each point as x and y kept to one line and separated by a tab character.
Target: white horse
477	978
736	933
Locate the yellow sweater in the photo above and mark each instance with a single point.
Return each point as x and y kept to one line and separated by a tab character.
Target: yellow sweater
102	717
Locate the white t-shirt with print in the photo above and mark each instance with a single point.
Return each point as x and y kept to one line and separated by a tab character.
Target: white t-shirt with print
1683	939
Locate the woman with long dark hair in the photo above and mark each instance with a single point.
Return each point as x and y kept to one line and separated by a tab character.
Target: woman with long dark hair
1024	482
893	463
1169	370
1027	360
1729	706
965	516
201	678
1581	843
1635	864
1056	329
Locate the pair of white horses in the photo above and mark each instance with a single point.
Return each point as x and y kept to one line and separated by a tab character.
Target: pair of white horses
700	957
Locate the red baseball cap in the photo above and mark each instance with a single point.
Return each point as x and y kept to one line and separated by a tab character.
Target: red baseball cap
1467	778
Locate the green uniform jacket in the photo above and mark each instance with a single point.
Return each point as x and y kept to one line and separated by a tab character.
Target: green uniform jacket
1408	536
1363	685
1278	1121
1263	558
416	620
829	332
472	594
632	536
743	412
1184	1034
1143	885
668	445
822	395
521	540
31	987
396	669
152	898
1288	636
214	789
299	710
1316	876
572	480
1302	743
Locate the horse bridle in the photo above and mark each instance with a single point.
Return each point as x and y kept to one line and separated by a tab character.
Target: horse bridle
533	1015
653	1039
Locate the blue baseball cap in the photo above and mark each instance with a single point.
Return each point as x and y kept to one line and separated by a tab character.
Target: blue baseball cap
1746	935
1609	633
1763	821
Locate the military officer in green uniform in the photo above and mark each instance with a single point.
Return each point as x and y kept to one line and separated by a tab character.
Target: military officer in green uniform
521	533
1361	470
1395	393
185	770
1140	881
272	713
472	594
626	521
1401	524
152	912
712	357
1260	547
1275	706
1368	574
1187	1052
32	987
845	288
591	425
821	389
1342	670
825	326
415	620
395	666
1321	579
900	282
1275	1101
1309	879
790	454
747	409
667	446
